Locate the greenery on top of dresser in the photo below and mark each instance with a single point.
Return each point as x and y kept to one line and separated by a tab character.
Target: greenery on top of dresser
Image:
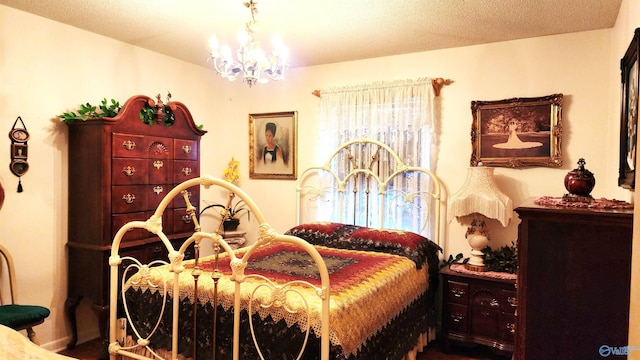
148	112
109	109
87	111
503	259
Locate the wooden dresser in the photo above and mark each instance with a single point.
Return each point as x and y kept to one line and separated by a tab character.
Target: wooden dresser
119	170
574	275
478	309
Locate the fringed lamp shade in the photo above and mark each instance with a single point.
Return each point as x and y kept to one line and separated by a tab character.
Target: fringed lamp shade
480	194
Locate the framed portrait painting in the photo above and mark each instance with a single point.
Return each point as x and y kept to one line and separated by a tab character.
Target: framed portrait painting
629	114
273	145
517	132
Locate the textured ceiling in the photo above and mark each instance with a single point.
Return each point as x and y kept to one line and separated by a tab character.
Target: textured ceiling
325	31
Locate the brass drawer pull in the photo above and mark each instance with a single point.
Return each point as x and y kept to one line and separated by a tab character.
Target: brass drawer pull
158	164
511	328
186	149
512	301
186	171
457	317
129	145
186	219
129	170
129	198
457	292
158	189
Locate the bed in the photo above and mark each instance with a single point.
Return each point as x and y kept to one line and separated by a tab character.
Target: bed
331	289
15	346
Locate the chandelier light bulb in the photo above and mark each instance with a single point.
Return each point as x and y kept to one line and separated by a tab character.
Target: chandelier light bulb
225	53
213	44
243	38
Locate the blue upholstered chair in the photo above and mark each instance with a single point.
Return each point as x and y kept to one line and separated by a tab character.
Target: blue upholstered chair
13	314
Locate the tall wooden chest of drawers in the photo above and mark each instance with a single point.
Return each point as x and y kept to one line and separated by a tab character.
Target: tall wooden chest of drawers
478	309
119	170
574	281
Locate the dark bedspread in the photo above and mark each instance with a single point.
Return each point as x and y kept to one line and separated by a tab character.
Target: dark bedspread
391	341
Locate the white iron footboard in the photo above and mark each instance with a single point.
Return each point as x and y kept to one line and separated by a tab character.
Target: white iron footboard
277	293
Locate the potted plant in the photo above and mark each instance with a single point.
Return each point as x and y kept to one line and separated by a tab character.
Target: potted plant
230	212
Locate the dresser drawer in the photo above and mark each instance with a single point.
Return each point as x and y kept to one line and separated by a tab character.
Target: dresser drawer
182	221
184	170
160	171
507	327
458	292
118	220
155	194
508	301
127	145
485	296
457	318
484	321
129	171
127	199
158	147
185	149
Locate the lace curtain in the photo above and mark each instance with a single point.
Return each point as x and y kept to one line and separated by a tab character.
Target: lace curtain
399	114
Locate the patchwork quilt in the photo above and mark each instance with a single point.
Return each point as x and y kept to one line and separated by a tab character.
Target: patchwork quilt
381	298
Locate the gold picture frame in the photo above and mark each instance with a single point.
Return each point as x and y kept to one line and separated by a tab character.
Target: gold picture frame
273	145
517	132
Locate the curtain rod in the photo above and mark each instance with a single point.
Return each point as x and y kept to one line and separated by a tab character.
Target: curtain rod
437	84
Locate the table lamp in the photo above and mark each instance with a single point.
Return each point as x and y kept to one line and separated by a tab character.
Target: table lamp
480	196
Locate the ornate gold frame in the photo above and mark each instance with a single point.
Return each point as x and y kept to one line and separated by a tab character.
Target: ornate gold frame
286	138
517	132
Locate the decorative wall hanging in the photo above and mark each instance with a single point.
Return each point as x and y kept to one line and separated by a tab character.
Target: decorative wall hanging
517	132
629	114
272	145
19	137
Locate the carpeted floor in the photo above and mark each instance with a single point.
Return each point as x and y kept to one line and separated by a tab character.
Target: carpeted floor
92	349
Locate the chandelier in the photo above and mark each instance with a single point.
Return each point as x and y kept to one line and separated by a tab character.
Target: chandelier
250	60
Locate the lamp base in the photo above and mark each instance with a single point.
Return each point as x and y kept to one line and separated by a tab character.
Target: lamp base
477	268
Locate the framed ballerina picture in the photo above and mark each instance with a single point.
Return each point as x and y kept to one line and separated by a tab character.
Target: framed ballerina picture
517	132
273	145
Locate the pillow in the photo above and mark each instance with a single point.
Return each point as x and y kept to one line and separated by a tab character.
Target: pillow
342	236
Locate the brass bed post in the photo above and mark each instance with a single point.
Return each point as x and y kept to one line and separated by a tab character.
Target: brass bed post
191	211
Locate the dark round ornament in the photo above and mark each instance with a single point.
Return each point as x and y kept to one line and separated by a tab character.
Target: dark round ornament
580	181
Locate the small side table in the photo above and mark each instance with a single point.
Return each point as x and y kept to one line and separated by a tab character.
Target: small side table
478	308
235	239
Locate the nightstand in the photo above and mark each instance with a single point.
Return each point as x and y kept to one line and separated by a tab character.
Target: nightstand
478	308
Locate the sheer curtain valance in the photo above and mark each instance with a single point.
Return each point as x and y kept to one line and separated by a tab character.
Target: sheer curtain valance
397	113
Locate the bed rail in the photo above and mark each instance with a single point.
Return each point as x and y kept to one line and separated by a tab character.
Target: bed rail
139	272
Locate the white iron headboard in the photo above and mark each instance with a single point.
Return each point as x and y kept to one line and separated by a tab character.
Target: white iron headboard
365	182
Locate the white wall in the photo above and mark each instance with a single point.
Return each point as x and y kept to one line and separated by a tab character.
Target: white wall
47	68
628	20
